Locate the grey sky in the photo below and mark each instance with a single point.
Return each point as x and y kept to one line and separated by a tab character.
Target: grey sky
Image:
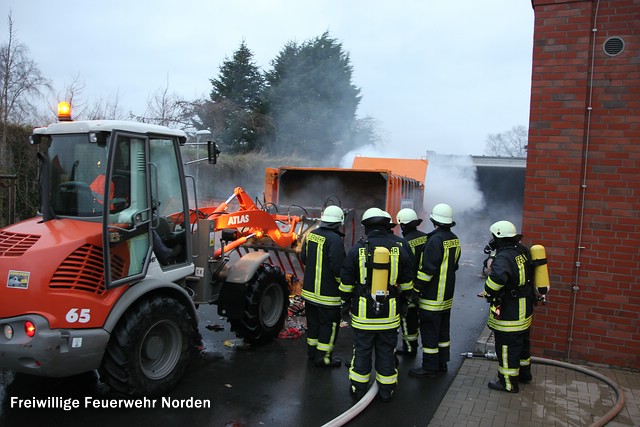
438	75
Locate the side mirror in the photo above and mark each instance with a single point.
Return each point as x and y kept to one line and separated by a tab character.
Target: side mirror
212	151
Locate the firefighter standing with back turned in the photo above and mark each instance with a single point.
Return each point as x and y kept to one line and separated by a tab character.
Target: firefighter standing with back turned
323	254
435	285
409	222
510	290
374	278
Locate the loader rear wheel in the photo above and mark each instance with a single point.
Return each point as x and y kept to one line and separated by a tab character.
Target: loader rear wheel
150	347
266	304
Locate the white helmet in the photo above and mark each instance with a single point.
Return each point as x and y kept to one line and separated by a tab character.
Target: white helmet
502	229
332	213
442	214
374	216
406	215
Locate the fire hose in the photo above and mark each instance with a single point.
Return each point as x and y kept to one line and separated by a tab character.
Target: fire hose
352	412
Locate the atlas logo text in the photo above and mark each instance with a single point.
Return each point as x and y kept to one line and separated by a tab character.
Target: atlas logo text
240	219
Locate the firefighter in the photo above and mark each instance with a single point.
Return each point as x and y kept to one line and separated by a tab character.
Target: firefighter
375	276
508	288
409	222
323	254
434	286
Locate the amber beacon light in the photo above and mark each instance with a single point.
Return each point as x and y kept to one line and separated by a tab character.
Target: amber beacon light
64	111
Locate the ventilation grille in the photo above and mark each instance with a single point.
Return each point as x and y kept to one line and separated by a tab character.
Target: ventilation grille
83	271
16	244
613	46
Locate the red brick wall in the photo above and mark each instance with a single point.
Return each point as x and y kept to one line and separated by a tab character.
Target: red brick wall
582	189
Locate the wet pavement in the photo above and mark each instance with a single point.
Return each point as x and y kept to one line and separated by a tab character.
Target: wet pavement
557	396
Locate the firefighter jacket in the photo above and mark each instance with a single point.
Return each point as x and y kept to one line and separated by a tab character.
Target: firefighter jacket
417	241
368	313
436	278
509	289
322	254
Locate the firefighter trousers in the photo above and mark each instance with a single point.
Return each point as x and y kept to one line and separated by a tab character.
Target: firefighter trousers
409	326
365	344
435	336
513	350
323	324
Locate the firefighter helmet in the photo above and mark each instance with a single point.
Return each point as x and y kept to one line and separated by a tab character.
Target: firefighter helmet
407	216
388	216
374	216
502	229
332	213
442	214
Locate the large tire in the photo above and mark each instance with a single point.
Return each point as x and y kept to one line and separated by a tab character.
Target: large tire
266	305
150	347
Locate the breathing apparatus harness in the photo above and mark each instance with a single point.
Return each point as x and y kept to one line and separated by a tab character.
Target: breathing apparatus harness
376	288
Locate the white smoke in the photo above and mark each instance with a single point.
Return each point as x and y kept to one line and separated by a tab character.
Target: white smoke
452	180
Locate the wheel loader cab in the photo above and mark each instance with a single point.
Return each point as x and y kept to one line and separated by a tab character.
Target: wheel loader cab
110	171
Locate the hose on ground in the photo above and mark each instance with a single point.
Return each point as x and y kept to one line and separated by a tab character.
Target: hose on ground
352	412
617	407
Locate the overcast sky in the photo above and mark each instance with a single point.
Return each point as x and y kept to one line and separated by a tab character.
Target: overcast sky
438	75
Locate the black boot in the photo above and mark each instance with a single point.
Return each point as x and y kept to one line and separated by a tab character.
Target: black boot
422	373
497	385
329	362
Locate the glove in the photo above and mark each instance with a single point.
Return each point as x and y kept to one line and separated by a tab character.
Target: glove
415	296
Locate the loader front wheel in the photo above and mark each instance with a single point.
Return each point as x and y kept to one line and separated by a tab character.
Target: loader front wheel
266	305
150	347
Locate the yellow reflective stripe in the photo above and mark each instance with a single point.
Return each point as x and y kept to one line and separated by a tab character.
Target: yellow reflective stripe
525	362
424	276
345	288
426	350
492	285
359	378
321	299
387	379
394	260
328	347
521	262
362	258
312	341
508	372
444	344
522	308
509	325
431	305
417	242
368	325
406	286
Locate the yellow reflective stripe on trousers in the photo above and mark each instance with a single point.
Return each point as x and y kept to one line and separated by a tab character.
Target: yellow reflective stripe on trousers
329	346
359	378
427	350
390	379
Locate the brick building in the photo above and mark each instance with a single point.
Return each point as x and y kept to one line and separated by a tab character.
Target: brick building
582	188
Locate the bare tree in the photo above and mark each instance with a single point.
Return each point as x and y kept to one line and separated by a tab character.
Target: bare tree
512	143
21	80
165	108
